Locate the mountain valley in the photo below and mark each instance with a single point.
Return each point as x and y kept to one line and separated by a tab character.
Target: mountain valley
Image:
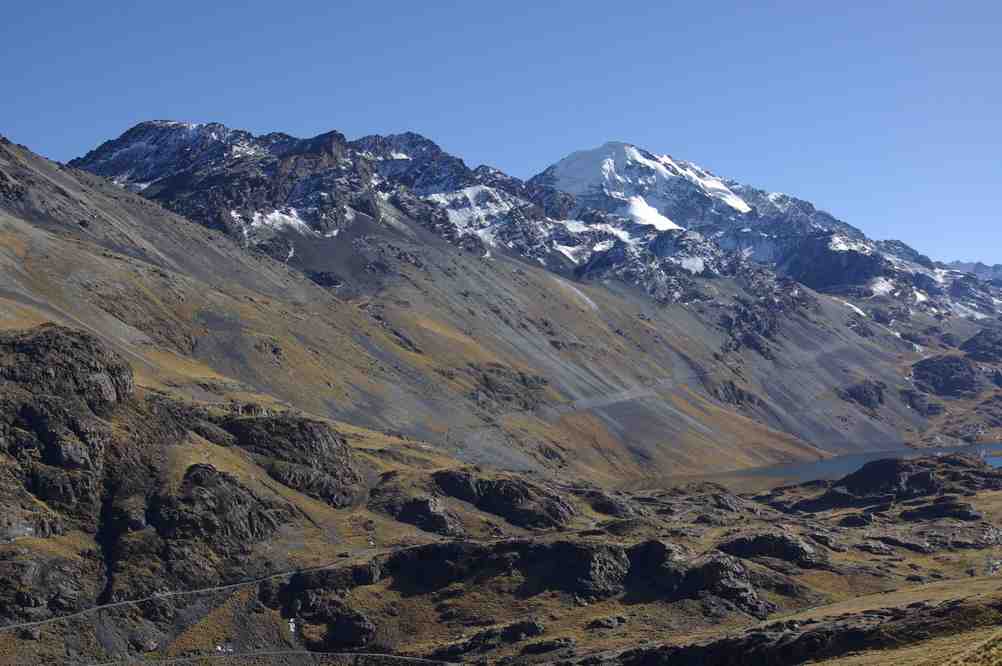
352	401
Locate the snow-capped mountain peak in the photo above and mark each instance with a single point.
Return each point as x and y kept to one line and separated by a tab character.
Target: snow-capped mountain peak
625	179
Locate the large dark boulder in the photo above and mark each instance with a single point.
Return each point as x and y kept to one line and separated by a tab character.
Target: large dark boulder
778	545
211	518
901	478
867	393
953	376
518	501
921	403
57	387
947	508
427	513
725	577
58	361
308	455
656	564
591	570
826	262
985	346
491	639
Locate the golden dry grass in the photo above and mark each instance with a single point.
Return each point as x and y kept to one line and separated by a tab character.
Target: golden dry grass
215	628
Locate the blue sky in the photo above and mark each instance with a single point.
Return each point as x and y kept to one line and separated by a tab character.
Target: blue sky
886	116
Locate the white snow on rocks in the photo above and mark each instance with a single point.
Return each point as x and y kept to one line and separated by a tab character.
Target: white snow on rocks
640	180
851	307
694	265
839	243
474	208
881	286
280	218
643	213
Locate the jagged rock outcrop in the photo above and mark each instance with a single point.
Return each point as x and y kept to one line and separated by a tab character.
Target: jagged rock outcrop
777	545
895	477
791	642
425	512
985	346
58	361
326	622
829	261
883	482
491	638
943	507
921	403
211	517
56	384
501	388
518	501
952	376
868	393
586	569
725	577
308	455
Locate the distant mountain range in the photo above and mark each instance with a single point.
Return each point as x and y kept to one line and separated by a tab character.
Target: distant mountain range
616	210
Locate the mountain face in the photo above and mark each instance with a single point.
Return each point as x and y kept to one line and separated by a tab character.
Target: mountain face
614	211
746	263
262	396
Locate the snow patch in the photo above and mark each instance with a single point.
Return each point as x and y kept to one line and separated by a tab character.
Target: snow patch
962	310
475	207
839	243
694	265
881	286
277	219
644	213
851	307
568	251
581	296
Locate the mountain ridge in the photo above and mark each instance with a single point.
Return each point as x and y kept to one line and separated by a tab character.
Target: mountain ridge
565	222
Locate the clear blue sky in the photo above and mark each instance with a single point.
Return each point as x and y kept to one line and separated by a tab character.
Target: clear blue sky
886	116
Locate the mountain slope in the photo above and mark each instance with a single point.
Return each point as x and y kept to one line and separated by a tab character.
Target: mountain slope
340	410
384	200
432	345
